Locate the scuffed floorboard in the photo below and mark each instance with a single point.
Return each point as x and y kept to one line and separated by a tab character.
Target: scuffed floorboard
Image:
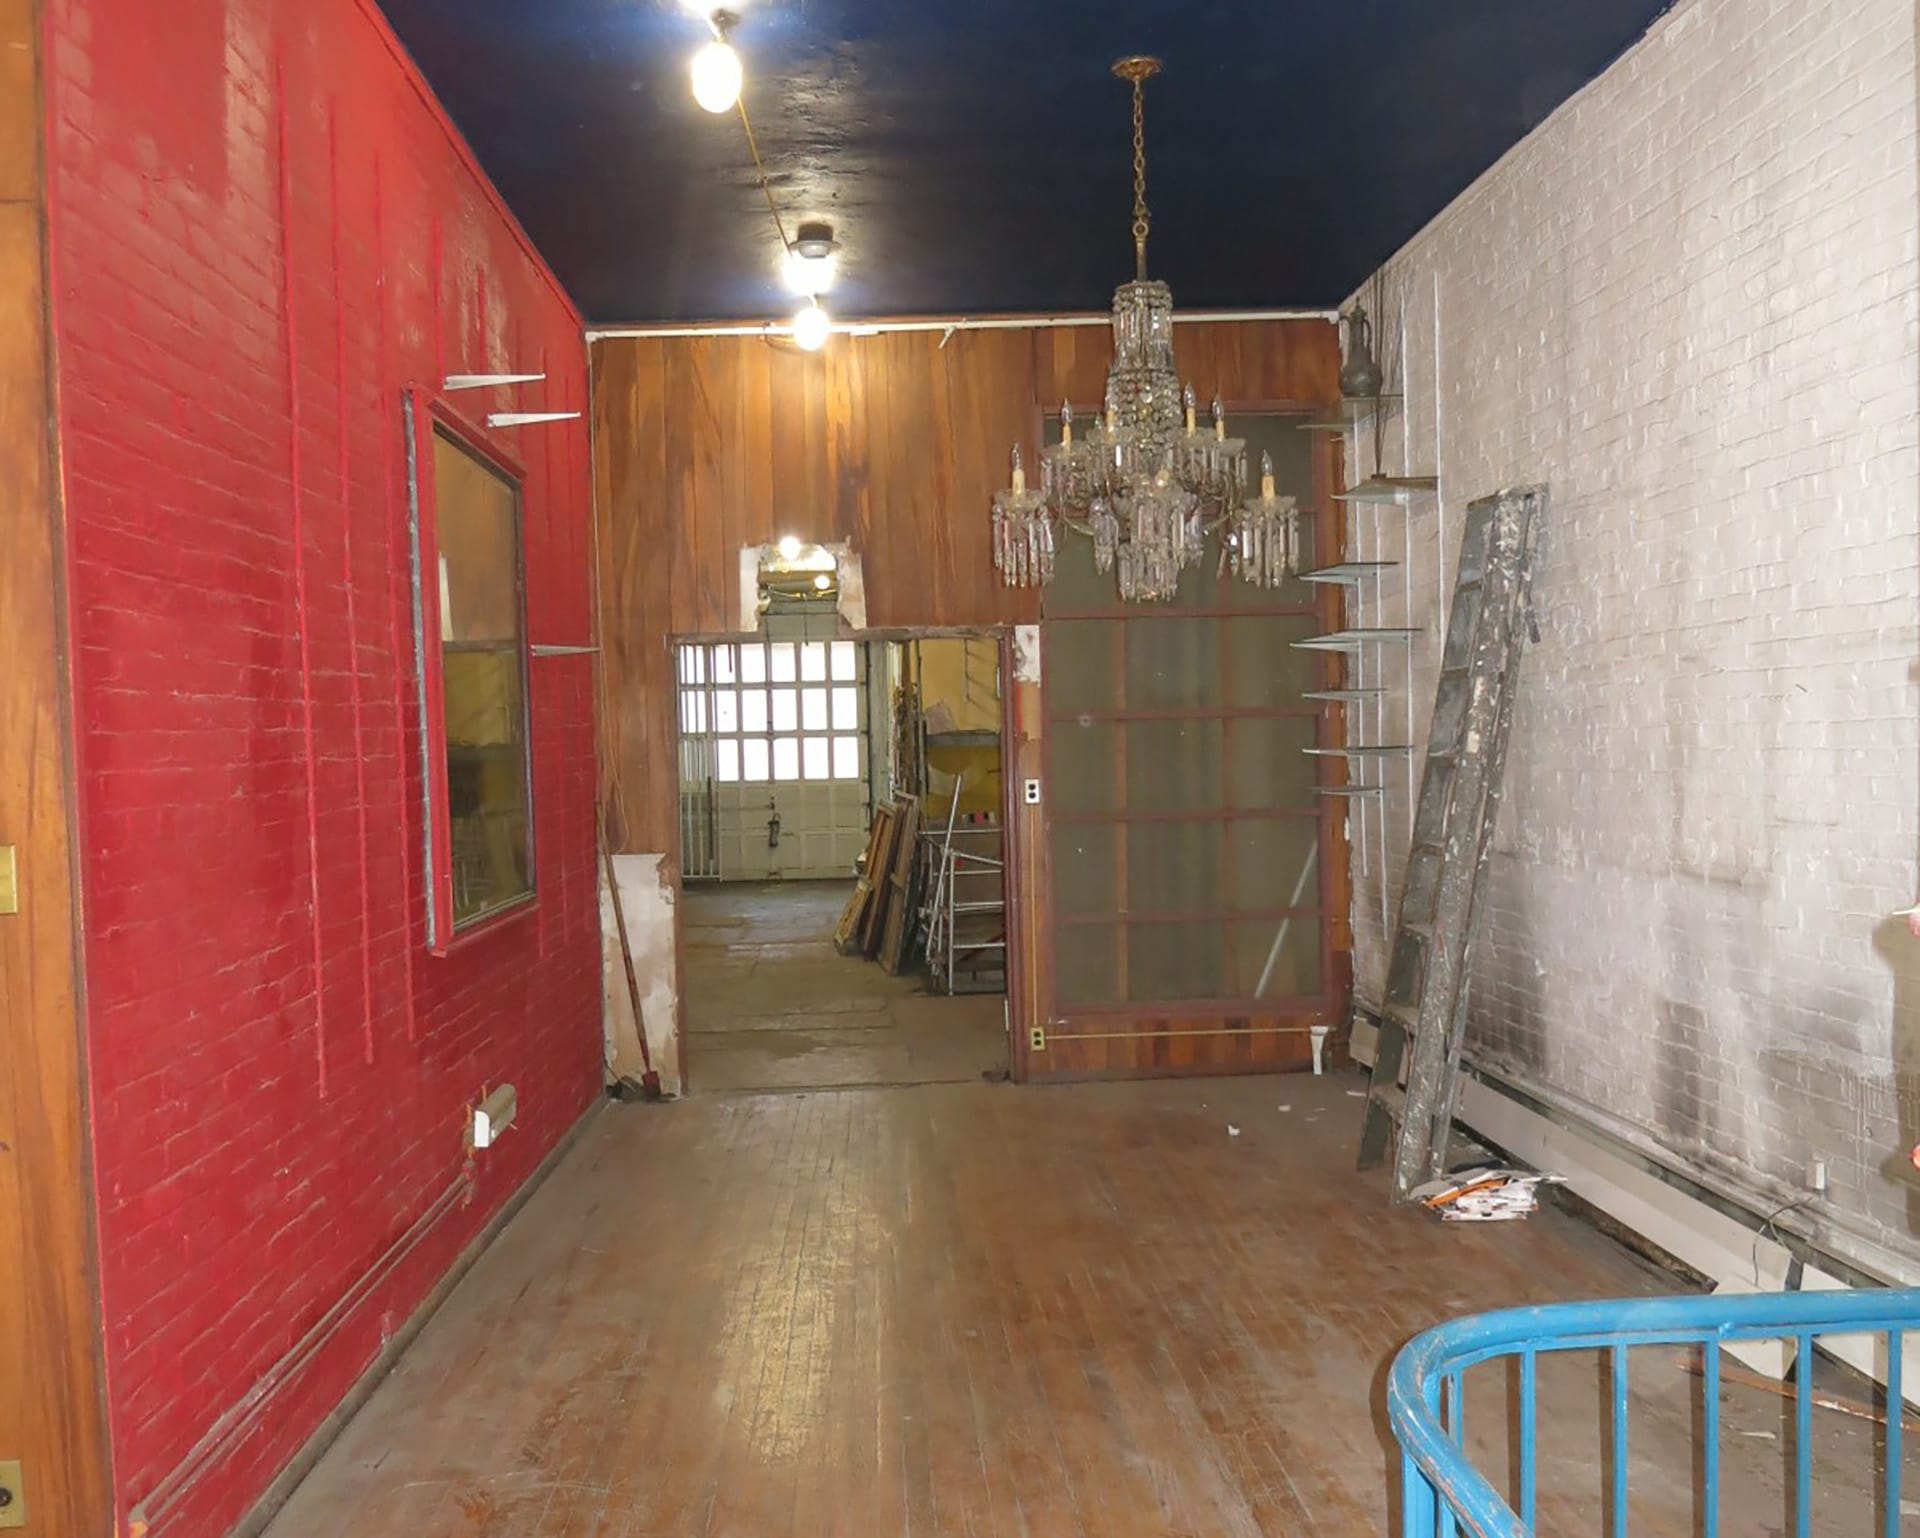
1085	1311
771	1005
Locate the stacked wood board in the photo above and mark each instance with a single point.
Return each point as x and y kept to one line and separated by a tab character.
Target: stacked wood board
878	920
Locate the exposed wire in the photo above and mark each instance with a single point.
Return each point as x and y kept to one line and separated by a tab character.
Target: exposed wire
760	170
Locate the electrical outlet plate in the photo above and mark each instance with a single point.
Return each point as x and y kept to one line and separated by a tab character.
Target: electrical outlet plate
14	1512
1038	1038
1031	790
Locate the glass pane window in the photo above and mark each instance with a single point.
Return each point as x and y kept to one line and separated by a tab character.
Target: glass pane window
759	733
481	836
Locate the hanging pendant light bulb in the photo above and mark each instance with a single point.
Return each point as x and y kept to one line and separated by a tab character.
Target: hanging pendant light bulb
811	326
716	71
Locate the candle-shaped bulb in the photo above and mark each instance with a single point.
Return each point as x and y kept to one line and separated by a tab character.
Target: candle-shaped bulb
1266	476
1187	396
1219	419
1066	421
1019	471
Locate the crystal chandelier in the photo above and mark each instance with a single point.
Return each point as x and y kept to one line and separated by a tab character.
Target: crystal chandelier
1147	484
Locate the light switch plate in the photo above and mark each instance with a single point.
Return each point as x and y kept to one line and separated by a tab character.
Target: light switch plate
14	1512
9	891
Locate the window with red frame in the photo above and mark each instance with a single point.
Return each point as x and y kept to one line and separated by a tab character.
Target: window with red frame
469	613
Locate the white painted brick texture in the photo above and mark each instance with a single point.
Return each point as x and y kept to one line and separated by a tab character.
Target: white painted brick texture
1688	302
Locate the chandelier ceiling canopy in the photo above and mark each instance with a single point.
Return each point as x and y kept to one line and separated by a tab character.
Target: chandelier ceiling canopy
1147	484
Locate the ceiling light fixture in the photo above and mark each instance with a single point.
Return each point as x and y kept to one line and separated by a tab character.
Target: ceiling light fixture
1148	485
811	326
811	263
716	70
790	547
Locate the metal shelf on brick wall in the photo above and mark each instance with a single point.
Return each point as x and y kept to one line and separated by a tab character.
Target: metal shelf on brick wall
1362	750
1348	573
1353	640
1388	488
1347	792
1343	696
1344	415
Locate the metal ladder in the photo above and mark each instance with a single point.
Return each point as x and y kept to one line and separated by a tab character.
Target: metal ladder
948	908
1453	826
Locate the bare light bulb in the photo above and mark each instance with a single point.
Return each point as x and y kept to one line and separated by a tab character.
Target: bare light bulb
717	76
822	582
789	547
810	327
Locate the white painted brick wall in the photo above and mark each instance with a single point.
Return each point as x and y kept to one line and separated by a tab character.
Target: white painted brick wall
1688	303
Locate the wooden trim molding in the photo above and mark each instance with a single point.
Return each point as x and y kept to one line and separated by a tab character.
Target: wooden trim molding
52	1399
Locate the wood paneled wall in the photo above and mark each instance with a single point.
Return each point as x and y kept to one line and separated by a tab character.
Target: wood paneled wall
894	443
51	1400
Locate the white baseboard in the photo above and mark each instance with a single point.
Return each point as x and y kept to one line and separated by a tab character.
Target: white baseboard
1693	1231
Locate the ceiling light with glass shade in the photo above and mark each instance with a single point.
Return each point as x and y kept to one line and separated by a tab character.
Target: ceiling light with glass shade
812	262
1148	483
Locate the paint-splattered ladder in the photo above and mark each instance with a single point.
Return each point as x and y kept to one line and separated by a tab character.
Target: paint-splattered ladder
1453	825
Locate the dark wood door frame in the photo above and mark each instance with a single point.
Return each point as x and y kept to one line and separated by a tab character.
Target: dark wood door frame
52	1390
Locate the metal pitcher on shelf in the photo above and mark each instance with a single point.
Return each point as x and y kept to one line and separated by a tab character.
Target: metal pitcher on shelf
1360	376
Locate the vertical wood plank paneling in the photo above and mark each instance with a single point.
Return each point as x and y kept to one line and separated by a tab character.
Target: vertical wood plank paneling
682	547
891	443
789	460
756	434
50	1377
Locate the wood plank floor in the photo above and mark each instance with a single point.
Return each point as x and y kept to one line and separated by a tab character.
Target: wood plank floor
1086	1311
772	1005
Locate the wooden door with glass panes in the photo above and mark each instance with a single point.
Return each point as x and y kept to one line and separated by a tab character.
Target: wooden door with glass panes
1185	838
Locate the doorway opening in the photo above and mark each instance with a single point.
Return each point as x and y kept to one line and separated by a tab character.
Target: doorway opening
841	807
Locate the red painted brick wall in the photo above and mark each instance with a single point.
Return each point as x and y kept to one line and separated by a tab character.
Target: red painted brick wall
278	1092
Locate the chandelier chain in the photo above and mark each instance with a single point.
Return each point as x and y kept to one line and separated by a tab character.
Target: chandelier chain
1140	221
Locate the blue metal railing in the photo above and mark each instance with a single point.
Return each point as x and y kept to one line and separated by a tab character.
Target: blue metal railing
1443	1495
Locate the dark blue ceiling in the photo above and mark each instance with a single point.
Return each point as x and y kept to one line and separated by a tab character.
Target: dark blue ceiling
973	155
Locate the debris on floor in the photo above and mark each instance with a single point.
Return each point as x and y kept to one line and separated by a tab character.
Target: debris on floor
1485	1195
1840	1403
1232	1131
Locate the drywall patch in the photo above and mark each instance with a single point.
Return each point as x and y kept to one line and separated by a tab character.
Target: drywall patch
1026	654
647	903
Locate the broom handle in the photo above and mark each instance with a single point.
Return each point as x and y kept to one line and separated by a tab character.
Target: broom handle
626	953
